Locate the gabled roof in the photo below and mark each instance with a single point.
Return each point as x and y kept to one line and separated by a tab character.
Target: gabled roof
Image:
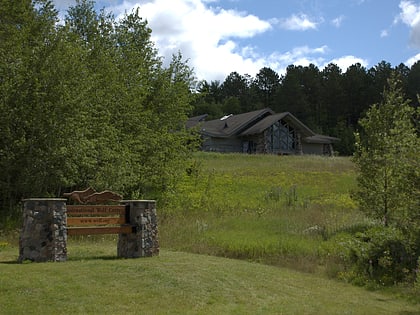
233	124
193	121
270	120
255	122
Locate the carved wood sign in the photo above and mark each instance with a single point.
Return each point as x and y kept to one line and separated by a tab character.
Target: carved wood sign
90	195
87	217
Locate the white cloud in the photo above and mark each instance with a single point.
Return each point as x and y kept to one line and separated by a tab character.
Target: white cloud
210	37
411	61
298	22
207	36
300	56
338	21
410	15
384	33
346	61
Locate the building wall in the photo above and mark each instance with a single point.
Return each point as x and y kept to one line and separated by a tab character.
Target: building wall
222	145
254	144
313	148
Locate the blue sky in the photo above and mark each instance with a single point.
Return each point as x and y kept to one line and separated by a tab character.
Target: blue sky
221	36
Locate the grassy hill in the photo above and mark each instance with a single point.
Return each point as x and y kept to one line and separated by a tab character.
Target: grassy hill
93	281
280	215
280	210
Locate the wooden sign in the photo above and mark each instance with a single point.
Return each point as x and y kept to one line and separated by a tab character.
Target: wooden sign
95	209
71	221
90	195
126	229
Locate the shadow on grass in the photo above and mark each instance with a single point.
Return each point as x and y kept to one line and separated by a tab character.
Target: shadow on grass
102	257
12	262
74	258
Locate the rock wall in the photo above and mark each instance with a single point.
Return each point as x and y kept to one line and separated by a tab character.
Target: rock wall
145	241
44	235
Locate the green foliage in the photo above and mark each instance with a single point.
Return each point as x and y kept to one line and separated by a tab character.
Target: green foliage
387	156
383	255
87	103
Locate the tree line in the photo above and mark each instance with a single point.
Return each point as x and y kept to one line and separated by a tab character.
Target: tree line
87	102
328	101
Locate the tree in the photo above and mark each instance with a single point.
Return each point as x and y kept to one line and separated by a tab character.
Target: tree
332	95
87	103
27	45
291	94
387	156
237	86
267	83
413	84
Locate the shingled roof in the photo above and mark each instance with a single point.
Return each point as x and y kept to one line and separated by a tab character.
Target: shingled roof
255	122
234	124
270	120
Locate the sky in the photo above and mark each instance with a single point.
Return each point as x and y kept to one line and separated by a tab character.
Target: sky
217	37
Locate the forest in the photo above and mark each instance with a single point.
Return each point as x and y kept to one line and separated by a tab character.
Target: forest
329	101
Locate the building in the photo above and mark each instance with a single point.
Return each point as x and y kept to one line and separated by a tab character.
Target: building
261	131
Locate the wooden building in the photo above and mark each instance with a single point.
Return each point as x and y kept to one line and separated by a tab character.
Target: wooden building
261	131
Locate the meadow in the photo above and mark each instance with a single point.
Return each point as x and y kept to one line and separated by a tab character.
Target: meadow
242	234
280	210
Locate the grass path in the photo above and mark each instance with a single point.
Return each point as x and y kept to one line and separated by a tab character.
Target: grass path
93	281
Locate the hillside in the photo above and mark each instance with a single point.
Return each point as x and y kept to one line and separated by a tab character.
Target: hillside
93	281
277	216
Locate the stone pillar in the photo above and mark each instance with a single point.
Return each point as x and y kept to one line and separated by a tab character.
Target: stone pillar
144	242
44	235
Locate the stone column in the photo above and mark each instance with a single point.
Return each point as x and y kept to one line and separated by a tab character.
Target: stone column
144	242
44	235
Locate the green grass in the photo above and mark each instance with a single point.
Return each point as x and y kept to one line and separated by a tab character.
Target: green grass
274	209
267	212
93	281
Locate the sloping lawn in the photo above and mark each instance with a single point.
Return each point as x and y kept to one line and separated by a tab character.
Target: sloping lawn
93	281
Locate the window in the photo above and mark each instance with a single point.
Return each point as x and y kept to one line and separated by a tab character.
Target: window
281	137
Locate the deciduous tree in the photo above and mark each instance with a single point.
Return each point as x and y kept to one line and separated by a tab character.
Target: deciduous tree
387	156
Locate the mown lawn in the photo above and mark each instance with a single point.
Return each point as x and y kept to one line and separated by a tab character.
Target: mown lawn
94	281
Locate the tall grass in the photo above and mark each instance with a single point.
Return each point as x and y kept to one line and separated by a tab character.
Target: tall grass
274	209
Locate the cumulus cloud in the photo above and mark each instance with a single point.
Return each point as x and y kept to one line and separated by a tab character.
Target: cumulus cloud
298	22
346	61
213	39
411	61
208	36
410	15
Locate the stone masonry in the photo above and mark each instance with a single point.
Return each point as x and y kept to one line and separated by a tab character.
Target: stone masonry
144	242
43	236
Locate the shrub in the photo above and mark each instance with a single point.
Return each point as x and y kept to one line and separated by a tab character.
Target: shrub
383	255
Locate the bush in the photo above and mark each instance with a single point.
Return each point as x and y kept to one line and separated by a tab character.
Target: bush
383	255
